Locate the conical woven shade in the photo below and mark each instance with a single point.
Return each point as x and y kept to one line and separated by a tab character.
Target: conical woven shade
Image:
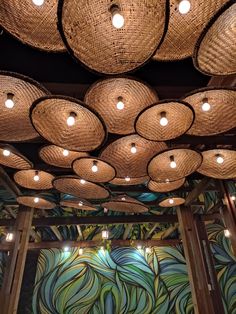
10	157
132	181
15	123
211	168
124	203
58	156
187	161
221	116
87	133
84	165
165	186
32	24
119	155
30	202
87	30
72	185
104	96
215	52
25	178
172	201
180	117
80	204
184	29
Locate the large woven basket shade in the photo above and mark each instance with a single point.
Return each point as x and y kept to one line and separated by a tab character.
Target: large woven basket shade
25	178
129	181
106	95
179	115
74	186
32	24
10	157
172	201
215	52
41	203
211	168
84	166
187	161
58	156
124	203
80	204
162	187
49	116
87	30
119	155
221	116
185	29
15	123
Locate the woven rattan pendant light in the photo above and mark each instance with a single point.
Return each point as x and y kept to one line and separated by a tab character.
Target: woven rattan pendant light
119	101
124	203
34	179
162	187
88	32
35	202
172	201
165	120
34	25
17	94
80	204
10	157
129	181
72	125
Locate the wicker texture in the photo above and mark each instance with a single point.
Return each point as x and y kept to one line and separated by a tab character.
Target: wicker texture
83	168
184	29
53	155
72	185
168	203
15	124
15	159
119	155
132	181
180	117
163	187
222	114
225	170
41	204
215	53
87	133
187	161
124	203
104	95
32	24
80	204
25	178
90	36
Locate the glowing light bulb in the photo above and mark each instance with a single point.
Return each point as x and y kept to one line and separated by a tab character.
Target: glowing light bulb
171	201
38	2
123	198
139	247
71	119
148	250
219	159
105	210
163	121
9	236
172	162
6	152
105	234
80	203
233	197
82	181
81	251
227	233
94	167
66	249
117	19
184	6
9	102
167	180
127	179
205	105
65	152
133	148
120	105
36	176
36	199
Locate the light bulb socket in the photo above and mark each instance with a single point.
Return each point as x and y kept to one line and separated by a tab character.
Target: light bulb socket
120	98
95	162
172	158
204	100
10	96
73	114
114	8
163	114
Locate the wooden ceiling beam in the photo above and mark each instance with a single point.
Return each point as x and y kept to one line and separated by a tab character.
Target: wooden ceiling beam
199	189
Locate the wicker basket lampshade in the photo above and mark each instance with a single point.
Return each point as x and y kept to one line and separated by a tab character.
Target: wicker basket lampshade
34	179
23	19
124	203
174	164
72	125
219	164
172	201
80	188
10	157
88	30
162	187
80	204
35	202
129	181
118	101
94	169
130	155
215	110
164	121
215	52
17	94
185	29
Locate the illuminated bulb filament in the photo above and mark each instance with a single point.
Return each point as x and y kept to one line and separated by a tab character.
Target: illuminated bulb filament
65	152
36	176
66	249
80	203
94	167
233	197
9	237
6	152
139	247
82	181
117	19
163	121
205	105
133	148
81	251
38	2
36	199
9	103
184	6
171	201
127	179
227	233
148	250
105	234
219	159
71	119
120	105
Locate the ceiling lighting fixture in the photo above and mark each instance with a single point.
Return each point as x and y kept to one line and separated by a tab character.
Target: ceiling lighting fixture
148	250
227	233
127	179
65	152
163	121
81	251
38	2
205	105
36	199
81	203
66	249
139	247
171	201
9	236
6	152
94	166
9	102
233	197
123	198
117	18
82	181
105	234
133	148
120	105
172	162
219	159
71	119
184	6
36	176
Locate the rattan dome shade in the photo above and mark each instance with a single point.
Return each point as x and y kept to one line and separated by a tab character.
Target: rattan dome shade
84	166
32	24
132	181
179	115
80	204
187	161
15	123
119	155
87	30
87	133
25	178
72	185
29	201
162	187
172	201
215	52
211	168
221	116
58	156
104	97
124	203
10	157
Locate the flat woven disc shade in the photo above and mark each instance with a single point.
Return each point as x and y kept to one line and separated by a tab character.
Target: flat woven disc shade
80	204
30	202
87	30
25	178
106	95
215	52
165	186
124	203
87	133
185	29
172	201
221	116
84	166
72	185
211	168
23	19
187	161
179	115
10	157
58	156
21	92
126	163
130	181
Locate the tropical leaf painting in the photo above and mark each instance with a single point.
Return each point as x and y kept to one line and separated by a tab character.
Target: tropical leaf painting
3	257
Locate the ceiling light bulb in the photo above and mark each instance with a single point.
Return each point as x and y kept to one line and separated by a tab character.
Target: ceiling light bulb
82	181
6	152
163	121
117	19
94	167
205	105
36	176
81	251
139	247
9	102
148	250
173	164
36	199
65	152
227	233
233	197
38	2
80	203
219	159
133	148
66	249
9	237
71	119
123	198
184	6
120	105
127	179
171	201
105	234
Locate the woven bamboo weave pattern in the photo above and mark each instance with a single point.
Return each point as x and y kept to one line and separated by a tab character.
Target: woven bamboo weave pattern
79	204
165	186
15	159
168	202
25	178
40	204
132	181
124	203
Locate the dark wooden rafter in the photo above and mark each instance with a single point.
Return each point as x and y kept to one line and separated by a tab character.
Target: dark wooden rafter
199	189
